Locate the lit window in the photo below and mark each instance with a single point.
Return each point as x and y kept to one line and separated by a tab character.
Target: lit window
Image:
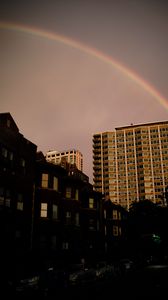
55	183
114	214
91	203
44	183
20	205
43	212
68	192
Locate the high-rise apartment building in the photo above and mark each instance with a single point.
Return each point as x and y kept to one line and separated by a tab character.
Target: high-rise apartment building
73	157
131	163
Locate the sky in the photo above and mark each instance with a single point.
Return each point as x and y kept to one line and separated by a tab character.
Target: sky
73	68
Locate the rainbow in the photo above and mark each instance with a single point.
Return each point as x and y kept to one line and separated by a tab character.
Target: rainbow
90	51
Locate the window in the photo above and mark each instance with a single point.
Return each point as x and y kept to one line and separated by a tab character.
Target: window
65	245
68	192
43	212
44	183
68	217
77	219
92	224
105	214
55	183
55	211
115	230
91	203
115	216
8	198
119	215
20	202
4	152
8	122
76	194
11	156
20	205
22	162
1	196
148	184
68	214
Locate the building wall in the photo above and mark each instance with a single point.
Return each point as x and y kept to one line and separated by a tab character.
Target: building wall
45	210
115	229
17	170
73	231
131	163
70	156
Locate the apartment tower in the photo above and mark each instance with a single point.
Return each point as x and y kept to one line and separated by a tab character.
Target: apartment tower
73	157
131	163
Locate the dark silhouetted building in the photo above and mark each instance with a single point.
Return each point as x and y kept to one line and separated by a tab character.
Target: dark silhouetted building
66	214
17	171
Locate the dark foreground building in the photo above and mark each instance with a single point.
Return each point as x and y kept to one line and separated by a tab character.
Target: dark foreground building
48	213
66	215
17	170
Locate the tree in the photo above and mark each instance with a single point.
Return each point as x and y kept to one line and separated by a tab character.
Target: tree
144	227
144	216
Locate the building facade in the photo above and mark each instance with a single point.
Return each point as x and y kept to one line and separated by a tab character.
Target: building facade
66	215
131	163
115	229
73	157
17	171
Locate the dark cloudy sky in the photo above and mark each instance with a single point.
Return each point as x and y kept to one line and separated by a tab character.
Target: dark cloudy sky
58	95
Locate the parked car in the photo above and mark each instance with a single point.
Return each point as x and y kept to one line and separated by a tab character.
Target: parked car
28	284
82	277
104	271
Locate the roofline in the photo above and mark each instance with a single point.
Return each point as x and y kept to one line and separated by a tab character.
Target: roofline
132	126
143	124
57	151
